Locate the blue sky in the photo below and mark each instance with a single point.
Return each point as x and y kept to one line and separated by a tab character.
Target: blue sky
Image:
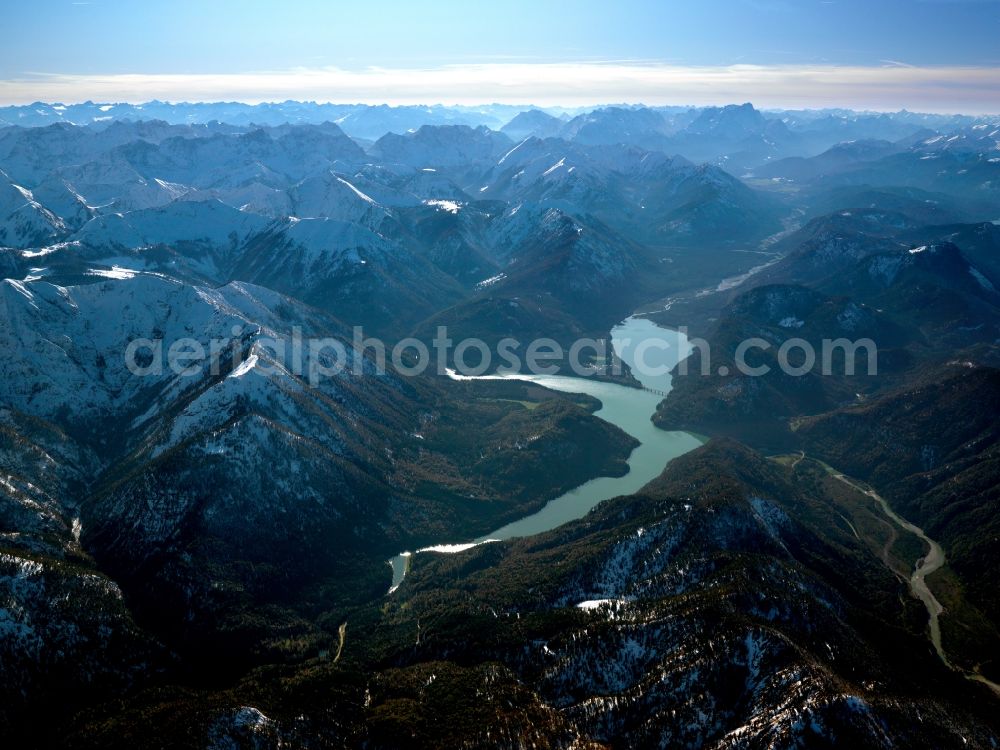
99	48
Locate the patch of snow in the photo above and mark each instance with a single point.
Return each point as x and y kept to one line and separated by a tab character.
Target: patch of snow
554	167
450	206
41	252
173	188
591	604
451	549
115	272
245	366
504	157
22	289
491	281
362	196
25	193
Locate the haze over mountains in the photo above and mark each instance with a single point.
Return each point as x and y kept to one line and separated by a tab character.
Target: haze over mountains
201	557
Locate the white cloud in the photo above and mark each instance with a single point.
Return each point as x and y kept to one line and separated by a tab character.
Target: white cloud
886	87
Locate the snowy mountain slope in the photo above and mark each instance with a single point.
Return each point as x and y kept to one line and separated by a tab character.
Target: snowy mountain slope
332	196
217	160
734	136
737	137
933	288
156	179
60	197
637	126
398	185
959	170
533	122
361	276
69	344
32	153
540	270
252	195
247	464
24	221
839	157
371	264
110	184
210	222
452	146
139	165
644	194
253	408
373	122
535	241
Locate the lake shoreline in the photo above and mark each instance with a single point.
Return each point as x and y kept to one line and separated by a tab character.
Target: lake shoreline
628	407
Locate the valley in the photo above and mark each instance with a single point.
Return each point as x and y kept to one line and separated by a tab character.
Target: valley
926	565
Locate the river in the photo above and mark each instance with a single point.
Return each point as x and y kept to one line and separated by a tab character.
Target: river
930	563
630	409
925	566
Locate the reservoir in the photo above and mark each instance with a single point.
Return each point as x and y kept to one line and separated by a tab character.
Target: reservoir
650	352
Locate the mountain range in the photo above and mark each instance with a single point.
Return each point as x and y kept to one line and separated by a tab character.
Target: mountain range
198	557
